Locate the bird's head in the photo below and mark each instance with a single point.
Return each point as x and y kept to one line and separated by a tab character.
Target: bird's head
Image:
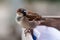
20	14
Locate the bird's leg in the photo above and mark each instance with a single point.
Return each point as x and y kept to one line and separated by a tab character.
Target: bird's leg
27	31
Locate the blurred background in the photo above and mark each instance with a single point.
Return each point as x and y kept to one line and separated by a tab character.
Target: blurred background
9	29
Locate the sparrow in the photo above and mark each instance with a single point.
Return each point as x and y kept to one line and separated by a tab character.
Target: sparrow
26	19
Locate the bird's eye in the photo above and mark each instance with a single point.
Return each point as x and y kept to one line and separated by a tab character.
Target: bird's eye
24	12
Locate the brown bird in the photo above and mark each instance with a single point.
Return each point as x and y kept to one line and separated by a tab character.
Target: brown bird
29	14
24	16
26	19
